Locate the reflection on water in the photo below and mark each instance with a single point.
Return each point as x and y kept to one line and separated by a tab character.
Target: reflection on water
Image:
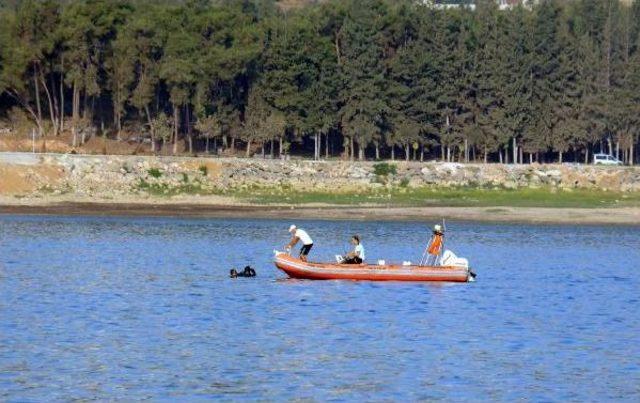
119	308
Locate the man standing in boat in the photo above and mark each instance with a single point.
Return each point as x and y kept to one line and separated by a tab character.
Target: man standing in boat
300	235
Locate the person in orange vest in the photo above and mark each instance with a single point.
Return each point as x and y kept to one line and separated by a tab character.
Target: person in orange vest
435	247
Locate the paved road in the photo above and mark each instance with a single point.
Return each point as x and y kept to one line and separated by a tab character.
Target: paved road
19	158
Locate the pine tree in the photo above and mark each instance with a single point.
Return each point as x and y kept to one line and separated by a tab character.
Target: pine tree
362	99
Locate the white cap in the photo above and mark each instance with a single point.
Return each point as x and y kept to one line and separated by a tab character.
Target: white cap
292	228
438	228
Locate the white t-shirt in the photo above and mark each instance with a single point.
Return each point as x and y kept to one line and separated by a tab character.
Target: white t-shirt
303	237
360	251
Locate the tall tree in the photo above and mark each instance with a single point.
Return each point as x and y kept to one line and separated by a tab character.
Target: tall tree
362	98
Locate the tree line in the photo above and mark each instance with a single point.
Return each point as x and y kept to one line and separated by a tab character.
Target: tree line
557	81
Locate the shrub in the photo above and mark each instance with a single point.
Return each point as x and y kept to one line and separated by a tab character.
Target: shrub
204	170
384	169
154	173
19	121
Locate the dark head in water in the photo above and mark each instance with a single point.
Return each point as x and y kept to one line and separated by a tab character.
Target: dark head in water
247	272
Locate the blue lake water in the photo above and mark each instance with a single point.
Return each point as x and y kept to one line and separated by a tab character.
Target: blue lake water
142	308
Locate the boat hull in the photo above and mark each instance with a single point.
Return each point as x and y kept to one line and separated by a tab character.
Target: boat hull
296	268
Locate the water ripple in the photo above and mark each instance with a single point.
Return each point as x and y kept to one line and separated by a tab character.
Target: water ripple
127	309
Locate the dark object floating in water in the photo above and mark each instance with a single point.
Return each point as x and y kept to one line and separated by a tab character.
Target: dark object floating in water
247	272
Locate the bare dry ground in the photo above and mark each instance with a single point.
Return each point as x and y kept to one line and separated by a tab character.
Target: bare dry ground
15	179
217	206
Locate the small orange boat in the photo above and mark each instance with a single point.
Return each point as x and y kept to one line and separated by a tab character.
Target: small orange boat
296	268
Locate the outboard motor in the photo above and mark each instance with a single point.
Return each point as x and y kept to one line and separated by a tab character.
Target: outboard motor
450	259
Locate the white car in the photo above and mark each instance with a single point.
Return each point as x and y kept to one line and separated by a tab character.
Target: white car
605	159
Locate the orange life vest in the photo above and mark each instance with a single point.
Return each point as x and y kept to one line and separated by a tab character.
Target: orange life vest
436	244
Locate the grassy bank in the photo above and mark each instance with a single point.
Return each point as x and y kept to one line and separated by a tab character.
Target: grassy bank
450	197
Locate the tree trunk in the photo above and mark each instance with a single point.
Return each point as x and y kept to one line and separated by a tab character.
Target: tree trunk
393	153
280	148
352	150
206	145
422	153
631	152
486	155
176	124
150	123
61	94
38	106
316	147
326	146
56	108
248	152
118	119
520	152
377	152
515	150
187	112
116	113
586	155
466	150
85	106
406	152
360	152
271	149
560	157
75	113
52	113
188	119
500	156
618	149
530	158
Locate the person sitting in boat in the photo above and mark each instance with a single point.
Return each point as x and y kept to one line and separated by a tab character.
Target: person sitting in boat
300	235
357	256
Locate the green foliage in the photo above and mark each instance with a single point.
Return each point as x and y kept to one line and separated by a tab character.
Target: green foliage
447	197
556	80
161	127
204	170
166	190
384	169
154	173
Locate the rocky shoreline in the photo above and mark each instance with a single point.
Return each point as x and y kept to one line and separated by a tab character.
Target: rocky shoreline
105	178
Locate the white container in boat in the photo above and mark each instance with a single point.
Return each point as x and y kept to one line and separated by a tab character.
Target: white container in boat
381	262
406	263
